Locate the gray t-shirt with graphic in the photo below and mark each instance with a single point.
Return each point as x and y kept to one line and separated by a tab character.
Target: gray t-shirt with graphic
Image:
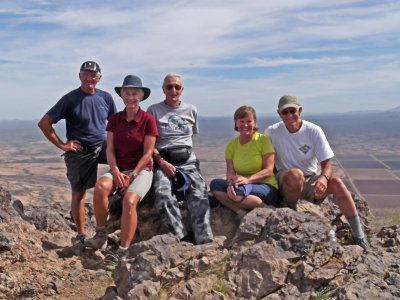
176	125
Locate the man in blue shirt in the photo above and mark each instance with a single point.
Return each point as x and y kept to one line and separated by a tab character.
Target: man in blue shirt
86	111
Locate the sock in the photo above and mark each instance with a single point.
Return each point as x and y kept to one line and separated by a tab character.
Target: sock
292	205
122	248
355	225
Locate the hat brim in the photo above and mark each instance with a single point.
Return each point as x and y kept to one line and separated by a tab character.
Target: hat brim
146	90
291	105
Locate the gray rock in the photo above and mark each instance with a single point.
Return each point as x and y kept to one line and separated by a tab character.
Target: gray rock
110	294
48	220
365	288
258	271
195	288
7	212
271	253
7	241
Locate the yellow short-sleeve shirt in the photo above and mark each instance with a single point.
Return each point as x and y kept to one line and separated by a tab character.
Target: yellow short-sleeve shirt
247	158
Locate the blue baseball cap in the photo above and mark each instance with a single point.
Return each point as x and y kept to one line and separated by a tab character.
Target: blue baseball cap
180	185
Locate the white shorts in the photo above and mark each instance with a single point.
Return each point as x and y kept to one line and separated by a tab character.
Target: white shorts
142	183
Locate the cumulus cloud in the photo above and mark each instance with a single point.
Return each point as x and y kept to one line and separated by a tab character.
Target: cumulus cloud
228	51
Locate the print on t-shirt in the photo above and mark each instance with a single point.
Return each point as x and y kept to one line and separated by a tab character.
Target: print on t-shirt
305	149
176	125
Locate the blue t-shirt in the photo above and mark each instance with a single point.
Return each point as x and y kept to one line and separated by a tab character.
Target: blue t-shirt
85	115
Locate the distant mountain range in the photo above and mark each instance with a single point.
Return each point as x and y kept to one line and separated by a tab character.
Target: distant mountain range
370	123
365	123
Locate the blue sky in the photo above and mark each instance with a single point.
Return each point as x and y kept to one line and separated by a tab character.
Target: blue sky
336	56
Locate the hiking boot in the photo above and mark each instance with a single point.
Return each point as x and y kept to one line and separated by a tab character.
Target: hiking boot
78	239
189	238
362	242
206	241
121	251
99	241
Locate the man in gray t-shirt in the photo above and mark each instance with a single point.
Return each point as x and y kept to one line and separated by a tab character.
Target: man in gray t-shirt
176	124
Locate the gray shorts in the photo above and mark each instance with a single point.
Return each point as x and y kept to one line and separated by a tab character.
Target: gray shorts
308	190
142	183
82	167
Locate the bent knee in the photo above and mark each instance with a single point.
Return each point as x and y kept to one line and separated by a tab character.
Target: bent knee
214	184
130	201
293	178
337	187
218	185
104	185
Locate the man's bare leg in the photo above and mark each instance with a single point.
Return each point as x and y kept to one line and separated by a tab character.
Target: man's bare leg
78	210
292	186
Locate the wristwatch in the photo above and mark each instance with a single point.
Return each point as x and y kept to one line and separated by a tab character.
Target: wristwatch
134	175
326	177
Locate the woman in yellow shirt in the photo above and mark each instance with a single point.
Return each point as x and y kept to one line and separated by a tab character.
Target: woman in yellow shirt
250	180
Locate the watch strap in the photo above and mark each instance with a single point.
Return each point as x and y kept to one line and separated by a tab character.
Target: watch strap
326	177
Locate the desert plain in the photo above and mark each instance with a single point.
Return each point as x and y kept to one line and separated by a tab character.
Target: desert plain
33	170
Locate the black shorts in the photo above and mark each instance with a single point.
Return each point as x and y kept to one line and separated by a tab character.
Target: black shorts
82	166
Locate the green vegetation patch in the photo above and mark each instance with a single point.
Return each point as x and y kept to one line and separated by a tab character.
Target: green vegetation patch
325	293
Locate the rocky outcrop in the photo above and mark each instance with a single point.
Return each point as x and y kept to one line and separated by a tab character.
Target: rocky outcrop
271	253
7	213
29	265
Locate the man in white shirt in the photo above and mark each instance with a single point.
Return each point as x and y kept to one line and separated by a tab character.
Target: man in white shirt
303	164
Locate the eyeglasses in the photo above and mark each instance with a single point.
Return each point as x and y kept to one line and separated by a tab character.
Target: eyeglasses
289	111
176	86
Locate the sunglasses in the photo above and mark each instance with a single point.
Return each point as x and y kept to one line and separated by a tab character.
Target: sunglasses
171	86
289	111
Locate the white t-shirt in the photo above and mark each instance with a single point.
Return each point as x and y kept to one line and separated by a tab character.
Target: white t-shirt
304	149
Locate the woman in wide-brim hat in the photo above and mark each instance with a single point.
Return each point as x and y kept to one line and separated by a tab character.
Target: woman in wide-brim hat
131	136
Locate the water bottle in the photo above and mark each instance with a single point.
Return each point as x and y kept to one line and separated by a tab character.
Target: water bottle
332	237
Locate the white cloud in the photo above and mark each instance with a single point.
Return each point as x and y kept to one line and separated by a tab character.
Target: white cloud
229	51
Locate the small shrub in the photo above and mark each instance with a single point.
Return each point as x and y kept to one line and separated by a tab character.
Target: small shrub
222	288
325	293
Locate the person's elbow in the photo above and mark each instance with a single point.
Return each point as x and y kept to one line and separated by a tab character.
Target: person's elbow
45	122
41	121
42	124
148	154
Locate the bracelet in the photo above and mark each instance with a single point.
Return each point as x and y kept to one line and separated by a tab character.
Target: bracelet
134	175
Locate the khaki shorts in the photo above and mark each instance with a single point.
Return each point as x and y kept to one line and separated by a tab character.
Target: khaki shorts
142	183
308	190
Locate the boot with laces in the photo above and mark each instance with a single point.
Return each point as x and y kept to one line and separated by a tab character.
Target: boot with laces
99	240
